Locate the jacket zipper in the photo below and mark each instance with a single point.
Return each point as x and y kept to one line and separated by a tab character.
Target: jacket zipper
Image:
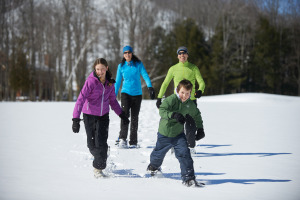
102	99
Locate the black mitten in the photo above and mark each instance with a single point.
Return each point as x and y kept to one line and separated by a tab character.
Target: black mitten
151	92
76	125
158	102
179	117
200	134
198	94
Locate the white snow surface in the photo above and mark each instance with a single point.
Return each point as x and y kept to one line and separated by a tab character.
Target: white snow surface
251	151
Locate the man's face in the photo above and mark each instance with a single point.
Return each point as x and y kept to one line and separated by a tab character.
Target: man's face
182	56
184	94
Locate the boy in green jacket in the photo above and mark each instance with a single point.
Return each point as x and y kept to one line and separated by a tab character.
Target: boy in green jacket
173	112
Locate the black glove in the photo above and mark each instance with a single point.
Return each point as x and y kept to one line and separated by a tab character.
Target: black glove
124	118
200	134
76	125
179	117
151	92
158	102
198	94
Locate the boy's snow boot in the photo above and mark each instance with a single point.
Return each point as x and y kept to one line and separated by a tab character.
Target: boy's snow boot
193	183
153	170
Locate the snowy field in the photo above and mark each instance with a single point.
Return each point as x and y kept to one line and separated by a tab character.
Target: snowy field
251	151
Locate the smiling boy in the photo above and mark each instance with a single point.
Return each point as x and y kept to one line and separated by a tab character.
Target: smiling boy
170	134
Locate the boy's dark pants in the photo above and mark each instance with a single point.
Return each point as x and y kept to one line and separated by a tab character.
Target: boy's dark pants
97	133
182	153
131	106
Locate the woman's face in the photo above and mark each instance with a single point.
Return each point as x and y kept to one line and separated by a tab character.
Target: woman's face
101	70
128	56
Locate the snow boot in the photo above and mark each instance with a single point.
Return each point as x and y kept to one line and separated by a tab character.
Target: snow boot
98	173
123	144
154	171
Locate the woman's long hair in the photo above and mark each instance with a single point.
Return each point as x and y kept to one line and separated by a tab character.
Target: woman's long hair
108	75
134	58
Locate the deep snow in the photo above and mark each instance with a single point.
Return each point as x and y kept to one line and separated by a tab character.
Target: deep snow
251	151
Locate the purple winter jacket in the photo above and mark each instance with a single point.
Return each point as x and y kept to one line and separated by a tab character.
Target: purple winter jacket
95	98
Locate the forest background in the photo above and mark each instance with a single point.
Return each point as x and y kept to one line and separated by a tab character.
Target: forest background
47	48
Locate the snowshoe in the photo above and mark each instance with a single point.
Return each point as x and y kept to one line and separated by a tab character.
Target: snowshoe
193	151
193	183
98	173
134	146
117	142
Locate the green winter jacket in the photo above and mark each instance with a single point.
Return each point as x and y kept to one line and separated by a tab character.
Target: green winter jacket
168	126
182	71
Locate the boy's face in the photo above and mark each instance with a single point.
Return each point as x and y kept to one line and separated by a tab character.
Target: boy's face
184	94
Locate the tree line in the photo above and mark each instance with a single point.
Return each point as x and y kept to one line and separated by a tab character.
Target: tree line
47	47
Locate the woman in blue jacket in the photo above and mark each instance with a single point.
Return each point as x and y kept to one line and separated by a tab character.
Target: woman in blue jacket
130	70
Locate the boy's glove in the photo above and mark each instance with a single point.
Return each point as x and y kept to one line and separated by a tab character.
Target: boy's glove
151	92
124	118
179	117
198	94
200	134
76	125
158	102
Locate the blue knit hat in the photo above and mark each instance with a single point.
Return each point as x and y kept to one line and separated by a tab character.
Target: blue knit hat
182	49
127	48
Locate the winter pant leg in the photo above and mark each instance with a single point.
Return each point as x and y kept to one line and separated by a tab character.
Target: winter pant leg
90	129
135	110
182	153
97	134
163	145
125	104
101	141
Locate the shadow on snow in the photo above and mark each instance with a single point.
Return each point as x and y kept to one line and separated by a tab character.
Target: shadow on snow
237	154
209	146
128	173
241	181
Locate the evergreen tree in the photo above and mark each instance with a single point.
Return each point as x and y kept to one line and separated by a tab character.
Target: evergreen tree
265	71
19	74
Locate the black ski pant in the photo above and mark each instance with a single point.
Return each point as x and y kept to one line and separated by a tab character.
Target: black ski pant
131	106
97	133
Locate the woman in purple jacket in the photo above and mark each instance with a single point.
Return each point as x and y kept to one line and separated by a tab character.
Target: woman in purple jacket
94	99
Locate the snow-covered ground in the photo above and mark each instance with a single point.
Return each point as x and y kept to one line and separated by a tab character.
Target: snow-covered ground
251	151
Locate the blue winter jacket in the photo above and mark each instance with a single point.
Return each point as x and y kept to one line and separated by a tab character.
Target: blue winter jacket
131	73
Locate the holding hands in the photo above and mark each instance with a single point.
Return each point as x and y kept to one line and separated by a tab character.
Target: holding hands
124	118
